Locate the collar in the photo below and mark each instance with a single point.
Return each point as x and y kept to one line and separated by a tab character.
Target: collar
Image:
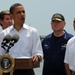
65	35
24	26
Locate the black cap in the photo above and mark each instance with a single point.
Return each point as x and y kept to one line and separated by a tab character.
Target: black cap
58	17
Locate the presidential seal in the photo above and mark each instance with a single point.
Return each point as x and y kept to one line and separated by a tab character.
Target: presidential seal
6	63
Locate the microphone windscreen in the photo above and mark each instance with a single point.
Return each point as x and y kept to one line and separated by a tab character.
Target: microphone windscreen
7	38
15	37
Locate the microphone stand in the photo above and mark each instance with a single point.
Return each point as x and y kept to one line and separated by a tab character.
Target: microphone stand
10	45
6	49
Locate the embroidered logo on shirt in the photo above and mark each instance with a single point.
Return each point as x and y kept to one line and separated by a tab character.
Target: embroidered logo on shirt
46	46
64	45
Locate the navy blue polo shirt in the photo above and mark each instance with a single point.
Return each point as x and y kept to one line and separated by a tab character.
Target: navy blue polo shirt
54	52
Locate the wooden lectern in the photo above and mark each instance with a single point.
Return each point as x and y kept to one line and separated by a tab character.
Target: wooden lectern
25	64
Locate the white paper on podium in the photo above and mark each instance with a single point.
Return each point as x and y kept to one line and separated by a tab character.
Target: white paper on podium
24	57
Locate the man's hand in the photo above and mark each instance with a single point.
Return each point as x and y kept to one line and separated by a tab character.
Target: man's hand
36	59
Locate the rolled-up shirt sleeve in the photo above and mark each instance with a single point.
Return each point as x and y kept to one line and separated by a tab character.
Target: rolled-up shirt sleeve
66	60
37	48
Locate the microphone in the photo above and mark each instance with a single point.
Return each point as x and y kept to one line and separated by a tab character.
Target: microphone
6	40
13	40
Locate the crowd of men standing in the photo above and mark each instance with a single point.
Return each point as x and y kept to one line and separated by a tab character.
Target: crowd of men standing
55	48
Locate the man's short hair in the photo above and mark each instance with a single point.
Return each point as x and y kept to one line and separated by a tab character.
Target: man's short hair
3	13
13	7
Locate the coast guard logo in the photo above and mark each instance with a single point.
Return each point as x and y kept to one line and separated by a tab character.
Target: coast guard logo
46	46
64	45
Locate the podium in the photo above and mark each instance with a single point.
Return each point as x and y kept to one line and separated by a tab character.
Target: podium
25	64
8	63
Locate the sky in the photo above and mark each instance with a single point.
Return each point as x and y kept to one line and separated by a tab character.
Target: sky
39	13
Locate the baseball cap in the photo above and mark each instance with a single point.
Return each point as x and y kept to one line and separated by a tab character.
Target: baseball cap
58	17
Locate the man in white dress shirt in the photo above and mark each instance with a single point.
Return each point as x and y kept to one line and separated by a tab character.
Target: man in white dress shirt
5	21
28	45
70	57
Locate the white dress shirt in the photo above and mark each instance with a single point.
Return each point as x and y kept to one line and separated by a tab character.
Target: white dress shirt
28	44
70	54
